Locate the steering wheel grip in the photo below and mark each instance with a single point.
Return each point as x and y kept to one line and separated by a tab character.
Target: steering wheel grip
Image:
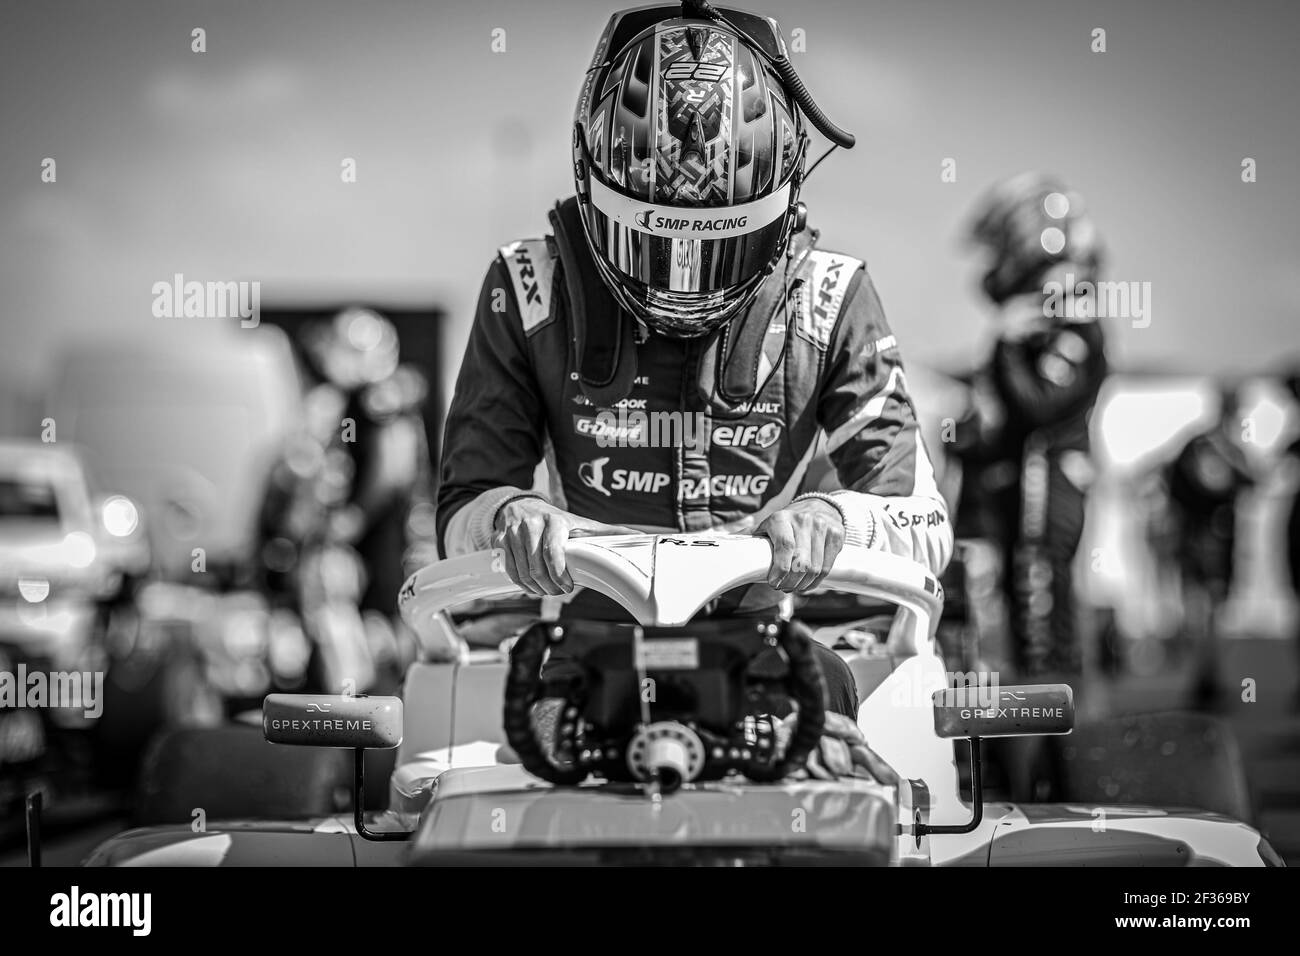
808	690
523	689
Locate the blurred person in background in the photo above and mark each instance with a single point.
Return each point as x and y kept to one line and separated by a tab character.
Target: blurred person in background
358	353
1204	481
1024	444
333	524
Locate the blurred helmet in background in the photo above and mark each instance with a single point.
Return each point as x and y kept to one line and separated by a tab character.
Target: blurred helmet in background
1030	224
688	157
356	348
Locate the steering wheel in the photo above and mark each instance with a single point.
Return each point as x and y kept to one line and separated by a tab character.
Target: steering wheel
663	581
803	683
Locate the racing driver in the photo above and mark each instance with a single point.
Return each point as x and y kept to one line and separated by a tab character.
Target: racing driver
678	349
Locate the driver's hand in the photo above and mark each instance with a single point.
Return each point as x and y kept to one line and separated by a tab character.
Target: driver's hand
842	752
806	539
531	533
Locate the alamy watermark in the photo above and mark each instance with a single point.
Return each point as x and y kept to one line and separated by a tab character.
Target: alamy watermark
179	299
1085	299
694	431
73	909
637	429
41	690
975	689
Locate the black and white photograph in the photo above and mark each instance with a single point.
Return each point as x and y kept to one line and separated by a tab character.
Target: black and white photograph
489	433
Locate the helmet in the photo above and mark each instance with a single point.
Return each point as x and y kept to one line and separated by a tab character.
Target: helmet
688	157
1030	223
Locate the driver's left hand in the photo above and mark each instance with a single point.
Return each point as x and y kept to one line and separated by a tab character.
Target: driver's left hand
842	752
806	539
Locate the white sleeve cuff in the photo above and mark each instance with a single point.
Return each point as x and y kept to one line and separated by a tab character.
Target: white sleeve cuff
911	526
859	519
470	528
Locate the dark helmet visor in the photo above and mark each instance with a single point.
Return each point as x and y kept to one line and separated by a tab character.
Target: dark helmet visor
682	249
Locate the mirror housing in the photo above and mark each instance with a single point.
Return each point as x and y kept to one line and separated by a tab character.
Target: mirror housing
1017	710
331	720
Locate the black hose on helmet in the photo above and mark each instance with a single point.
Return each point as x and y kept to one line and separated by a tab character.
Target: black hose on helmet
784	69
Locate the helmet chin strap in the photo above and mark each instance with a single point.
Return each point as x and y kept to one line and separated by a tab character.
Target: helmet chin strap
732	373
604	349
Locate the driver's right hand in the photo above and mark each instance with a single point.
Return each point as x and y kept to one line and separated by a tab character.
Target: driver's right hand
531	533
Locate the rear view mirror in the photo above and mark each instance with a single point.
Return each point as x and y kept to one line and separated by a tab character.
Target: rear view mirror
1023	710
330	720
326	720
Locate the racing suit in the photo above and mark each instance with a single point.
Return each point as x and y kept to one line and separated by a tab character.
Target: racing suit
833	382
1031	476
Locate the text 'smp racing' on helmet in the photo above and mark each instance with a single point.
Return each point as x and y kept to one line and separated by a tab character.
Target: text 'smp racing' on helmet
1030	223
688	155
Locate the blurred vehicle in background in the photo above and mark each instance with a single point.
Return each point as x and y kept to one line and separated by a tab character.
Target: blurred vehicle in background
58	540
184	428
185	431
69	558
309	430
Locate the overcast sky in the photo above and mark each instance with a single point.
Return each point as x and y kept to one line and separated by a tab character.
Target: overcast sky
225	164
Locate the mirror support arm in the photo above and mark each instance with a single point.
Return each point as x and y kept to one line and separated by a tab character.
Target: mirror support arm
359	804
977	800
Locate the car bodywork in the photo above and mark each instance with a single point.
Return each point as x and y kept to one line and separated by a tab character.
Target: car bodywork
464	804
1032	835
